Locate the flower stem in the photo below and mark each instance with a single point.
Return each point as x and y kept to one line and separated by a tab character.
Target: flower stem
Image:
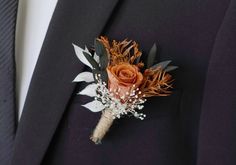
102	127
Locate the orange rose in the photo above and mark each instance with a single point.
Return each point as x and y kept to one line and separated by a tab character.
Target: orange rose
124	76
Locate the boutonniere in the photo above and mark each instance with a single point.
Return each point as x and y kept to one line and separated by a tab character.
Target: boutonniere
119	81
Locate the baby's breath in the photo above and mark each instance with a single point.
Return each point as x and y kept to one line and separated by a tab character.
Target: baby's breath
128	104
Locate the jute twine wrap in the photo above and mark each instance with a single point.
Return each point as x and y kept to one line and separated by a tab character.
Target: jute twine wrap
102	127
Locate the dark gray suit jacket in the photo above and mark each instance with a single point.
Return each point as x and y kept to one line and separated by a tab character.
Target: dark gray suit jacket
194	126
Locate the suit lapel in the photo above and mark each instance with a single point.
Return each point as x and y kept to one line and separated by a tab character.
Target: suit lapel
74	21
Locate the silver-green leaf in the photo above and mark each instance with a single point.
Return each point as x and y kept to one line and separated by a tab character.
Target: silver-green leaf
151	56
161	65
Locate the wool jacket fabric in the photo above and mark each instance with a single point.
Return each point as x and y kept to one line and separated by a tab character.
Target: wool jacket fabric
196	125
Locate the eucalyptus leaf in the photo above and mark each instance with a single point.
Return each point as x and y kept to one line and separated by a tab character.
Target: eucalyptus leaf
151	56
161	65
103	60
170	68
104	76
99	48
91	60
100	51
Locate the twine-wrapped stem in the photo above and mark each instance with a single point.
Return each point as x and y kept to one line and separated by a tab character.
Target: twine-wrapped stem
102	127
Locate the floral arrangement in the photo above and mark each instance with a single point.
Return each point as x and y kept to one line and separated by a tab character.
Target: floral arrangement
119	81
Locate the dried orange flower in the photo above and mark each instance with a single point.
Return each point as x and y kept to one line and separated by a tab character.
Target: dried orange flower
120	52
124	77
156	83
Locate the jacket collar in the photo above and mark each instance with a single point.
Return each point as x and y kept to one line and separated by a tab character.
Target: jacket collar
74	21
